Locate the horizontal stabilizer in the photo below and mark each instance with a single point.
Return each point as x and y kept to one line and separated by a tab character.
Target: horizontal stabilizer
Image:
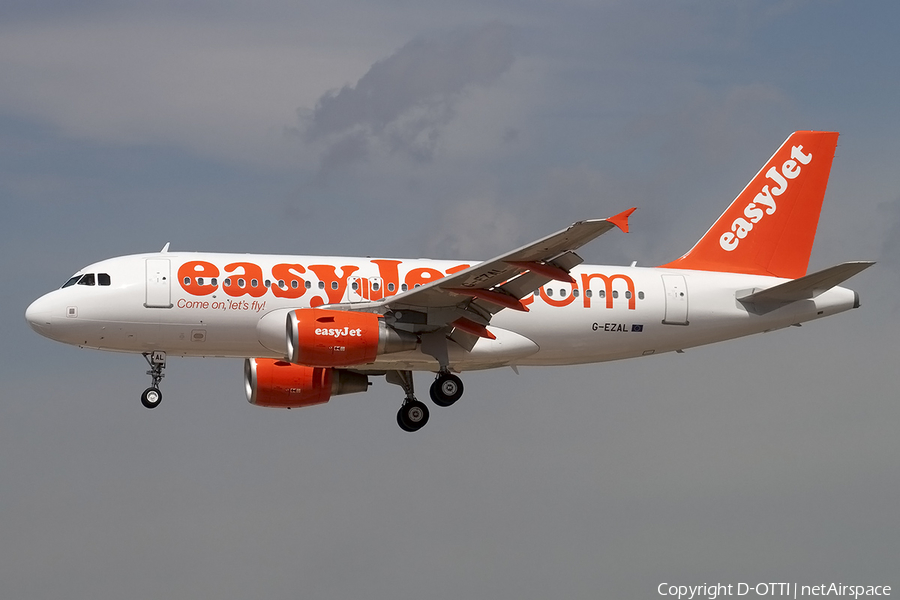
803	288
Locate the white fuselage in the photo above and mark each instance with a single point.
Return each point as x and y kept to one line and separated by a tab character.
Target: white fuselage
235	305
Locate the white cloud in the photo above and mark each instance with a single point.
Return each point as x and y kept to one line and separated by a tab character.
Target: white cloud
403	102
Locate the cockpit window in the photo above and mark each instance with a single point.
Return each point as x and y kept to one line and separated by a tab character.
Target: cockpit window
88	279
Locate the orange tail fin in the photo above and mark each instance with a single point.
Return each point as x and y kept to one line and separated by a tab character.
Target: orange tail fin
770	227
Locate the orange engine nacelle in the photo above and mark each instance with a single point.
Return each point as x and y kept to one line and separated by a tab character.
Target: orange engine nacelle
334	338
280	384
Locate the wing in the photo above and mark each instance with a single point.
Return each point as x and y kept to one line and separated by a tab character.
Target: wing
466	301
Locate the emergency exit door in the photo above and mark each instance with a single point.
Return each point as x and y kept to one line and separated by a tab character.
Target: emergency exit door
676	300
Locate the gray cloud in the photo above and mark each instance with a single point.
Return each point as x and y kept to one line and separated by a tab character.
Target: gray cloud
403	101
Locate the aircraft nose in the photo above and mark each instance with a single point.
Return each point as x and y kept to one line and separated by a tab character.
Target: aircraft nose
38	315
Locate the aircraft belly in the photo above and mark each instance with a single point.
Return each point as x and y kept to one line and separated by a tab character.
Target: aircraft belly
596	333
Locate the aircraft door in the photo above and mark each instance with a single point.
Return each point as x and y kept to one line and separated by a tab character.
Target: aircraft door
159	280
676	300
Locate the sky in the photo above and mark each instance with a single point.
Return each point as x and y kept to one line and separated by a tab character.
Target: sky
447	130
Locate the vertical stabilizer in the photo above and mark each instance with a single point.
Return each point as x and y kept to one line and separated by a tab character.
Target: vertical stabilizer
770	227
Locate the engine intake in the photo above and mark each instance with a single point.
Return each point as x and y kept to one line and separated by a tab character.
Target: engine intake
280	384
334	338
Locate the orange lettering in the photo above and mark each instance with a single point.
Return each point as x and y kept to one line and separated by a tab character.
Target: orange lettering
421	276
328	275
189	273
389	273
608	288
564	302
290	274
241	284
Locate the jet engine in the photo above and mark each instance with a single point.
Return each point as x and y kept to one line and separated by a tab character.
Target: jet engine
334	338
280	384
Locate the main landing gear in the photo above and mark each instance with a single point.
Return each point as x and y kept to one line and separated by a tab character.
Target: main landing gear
157	361
413	414
446	389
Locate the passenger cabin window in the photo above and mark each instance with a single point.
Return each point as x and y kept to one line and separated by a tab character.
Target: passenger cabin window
321	285
103	278
87	279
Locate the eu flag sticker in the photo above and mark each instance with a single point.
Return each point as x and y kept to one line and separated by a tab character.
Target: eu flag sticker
637	328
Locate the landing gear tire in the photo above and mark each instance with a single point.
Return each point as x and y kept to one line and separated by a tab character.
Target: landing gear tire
151	397
446	389
401	422
412	416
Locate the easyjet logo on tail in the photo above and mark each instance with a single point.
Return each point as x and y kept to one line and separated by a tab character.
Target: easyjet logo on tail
764	203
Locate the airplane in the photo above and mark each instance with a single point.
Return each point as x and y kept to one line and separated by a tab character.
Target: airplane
313	327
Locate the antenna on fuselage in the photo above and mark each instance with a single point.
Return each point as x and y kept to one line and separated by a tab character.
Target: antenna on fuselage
165	248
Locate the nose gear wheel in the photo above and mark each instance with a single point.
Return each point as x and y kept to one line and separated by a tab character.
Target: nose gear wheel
157	361
151	397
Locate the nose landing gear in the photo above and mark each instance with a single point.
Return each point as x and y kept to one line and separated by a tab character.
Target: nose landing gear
157	361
